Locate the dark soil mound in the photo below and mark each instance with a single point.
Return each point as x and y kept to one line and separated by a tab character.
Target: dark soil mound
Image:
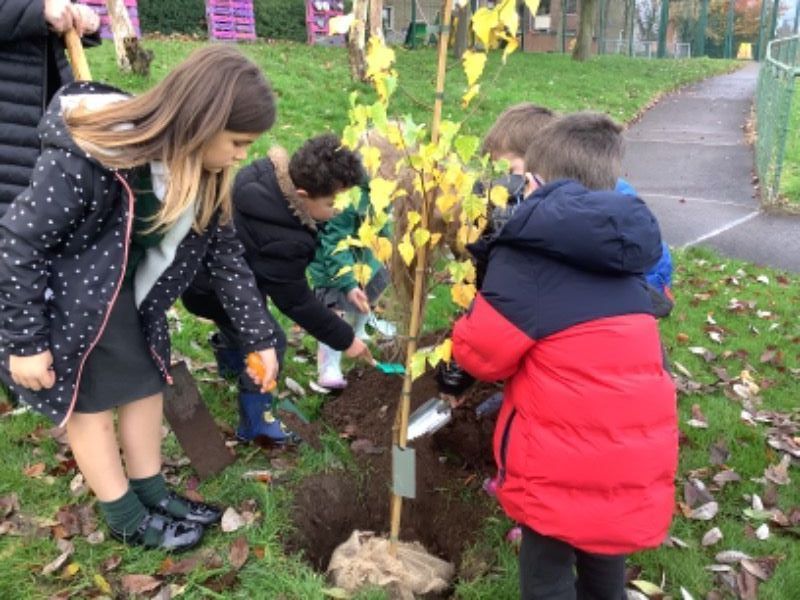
451	465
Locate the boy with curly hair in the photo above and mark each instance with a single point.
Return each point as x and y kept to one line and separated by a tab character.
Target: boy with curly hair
279	204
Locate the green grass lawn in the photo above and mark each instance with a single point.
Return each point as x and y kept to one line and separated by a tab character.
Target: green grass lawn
790	178
312	86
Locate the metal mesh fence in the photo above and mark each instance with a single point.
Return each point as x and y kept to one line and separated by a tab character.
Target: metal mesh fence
776	84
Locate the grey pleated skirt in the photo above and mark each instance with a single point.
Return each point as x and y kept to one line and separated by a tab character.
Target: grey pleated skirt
120	368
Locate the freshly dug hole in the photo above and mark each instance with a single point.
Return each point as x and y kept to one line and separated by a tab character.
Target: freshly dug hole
450	507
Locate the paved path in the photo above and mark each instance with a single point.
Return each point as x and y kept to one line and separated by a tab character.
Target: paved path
688	158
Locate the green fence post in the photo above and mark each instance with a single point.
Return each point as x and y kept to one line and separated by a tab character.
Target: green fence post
729	31
796	16
762	25
662	29
631	23
601	35
702	26
773	25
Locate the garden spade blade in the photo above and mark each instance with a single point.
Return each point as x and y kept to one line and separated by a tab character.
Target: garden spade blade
429	417
197	433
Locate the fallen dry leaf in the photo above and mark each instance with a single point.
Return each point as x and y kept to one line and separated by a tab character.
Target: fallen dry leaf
231	520
712	536
34	471
698	419
762	533
726	476
139	584
706	512
239	552
181	567
731	557
719	453
9	504
66	548
779	474
747	585
111	563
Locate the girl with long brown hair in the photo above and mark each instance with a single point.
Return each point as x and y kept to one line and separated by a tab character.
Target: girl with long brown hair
130	197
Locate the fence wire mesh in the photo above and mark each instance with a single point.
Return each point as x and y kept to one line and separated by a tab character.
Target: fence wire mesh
776	85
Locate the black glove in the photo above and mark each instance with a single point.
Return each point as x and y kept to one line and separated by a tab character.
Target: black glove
452	379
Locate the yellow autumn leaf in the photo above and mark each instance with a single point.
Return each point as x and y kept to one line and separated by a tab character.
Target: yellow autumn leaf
363	273
473	62
511	45
413	218
461	271
382	249
343	271
418	360
347	243
371	158
366	232
498	195
351	197
406	250
470	95
509	16
473	206
533	6
70	570
341	24
483	21
445	203
101	584
435	238
463	294
421	237
445	350
380	57
380	193
468	234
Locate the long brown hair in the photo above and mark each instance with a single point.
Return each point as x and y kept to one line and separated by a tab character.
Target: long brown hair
215	89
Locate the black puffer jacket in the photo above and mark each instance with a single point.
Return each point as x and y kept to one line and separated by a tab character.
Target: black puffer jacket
280	242
63	250
32	68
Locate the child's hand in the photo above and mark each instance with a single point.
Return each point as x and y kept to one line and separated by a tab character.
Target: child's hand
262	367
358	349
33	372
359	299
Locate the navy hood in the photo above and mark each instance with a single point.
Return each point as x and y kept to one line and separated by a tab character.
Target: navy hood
601	231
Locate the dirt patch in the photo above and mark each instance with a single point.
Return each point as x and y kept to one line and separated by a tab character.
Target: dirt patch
450	507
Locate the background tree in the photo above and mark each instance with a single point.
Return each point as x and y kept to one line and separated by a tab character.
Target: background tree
583	44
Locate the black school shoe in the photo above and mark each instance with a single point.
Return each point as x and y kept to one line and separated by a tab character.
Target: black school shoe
172	535
199	512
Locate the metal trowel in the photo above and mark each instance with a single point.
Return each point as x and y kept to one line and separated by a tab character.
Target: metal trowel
431	416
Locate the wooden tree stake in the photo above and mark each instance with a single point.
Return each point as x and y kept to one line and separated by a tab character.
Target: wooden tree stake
400	431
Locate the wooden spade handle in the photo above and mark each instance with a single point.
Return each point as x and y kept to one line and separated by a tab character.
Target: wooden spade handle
77	57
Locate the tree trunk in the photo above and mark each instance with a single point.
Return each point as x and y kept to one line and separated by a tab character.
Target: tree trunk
121	28
583	45
376	18
356	41
462	30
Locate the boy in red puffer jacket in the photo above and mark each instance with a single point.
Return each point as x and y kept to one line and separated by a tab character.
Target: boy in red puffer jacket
587	438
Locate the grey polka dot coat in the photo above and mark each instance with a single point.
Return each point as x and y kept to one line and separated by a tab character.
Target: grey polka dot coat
63	250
